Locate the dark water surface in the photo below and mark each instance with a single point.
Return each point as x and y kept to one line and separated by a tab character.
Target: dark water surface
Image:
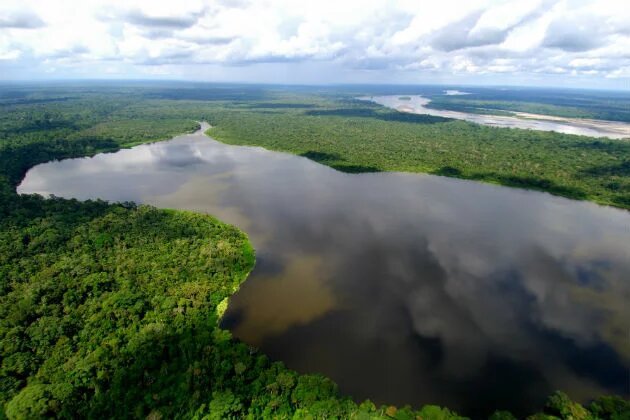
403	288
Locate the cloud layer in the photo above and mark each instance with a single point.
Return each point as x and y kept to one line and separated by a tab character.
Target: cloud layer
324	41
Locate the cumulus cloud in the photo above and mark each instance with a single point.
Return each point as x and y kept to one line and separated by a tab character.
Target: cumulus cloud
402	40
137	17
574	34
21	19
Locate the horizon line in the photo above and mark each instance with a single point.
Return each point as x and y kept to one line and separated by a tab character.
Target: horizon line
305	84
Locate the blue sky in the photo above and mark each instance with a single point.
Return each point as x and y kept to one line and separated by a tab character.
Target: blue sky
517	42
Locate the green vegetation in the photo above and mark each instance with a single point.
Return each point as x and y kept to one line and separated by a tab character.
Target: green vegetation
356	136
111	310
502	108
597	105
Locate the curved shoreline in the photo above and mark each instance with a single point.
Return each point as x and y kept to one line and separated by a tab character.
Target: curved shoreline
200	131
248	248
417	104
454	175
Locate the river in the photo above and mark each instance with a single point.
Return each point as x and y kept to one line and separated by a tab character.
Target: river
416	104
403	288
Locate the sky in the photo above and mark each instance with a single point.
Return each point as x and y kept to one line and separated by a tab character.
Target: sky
560	43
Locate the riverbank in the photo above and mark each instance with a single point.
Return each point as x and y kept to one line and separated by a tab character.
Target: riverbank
357	136
579	126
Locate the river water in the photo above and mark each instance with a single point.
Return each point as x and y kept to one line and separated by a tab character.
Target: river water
403	288
416	104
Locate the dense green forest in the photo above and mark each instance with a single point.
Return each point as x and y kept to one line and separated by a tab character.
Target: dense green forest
356	136
111	310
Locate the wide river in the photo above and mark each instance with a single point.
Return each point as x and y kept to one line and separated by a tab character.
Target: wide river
403	288
416	104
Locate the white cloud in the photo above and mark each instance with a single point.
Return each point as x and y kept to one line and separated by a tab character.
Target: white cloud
393	40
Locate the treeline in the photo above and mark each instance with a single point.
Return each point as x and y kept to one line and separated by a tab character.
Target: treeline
111	310
363	137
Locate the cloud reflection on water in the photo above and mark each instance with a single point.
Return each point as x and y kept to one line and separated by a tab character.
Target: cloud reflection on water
404	288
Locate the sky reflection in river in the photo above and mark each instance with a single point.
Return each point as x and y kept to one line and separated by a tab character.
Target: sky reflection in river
403	288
